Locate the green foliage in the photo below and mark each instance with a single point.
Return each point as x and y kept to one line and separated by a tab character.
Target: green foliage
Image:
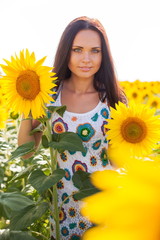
16	193
24	173
66	141
22	150
6	234
60	110
1	175
47	182
82	181
24	218
11	201
26	185
45	143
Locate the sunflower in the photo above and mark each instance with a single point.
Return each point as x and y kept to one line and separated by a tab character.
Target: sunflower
2	100
27	84
3	117
155	87
3	109
133	94
154	102
136	213
133	129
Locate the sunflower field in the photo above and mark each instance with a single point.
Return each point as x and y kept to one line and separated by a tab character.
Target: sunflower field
143	92
122	204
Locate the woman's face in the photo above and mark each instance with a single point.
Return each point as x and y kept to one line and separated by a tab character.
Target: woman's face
86	55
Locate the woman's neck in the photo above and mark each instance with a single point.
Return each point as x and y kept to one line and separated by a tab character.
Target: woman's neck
79	86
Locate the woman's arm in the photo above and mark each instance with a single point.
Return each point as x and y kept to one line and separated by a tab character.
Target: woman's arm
26	126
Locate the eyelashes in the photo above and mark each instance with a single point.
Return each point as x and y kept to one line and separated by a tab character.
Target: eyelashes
77	50
80	50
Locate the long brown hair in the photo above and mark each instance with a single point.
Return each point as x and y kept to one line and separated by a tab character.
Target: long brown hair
105	80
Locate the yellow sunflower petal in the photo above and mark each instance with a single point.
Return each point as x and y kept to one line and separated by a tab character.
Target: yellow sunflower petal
27	84
134	127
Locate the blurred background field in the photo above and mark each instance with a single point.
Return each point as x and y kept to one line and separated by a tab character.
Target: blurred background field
143	92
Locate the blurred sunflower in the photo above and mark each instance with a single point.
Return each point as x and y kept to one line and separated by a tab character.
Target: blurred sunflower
134	129
154	102
3	117
27	84
1	98
155	87
128	207
125	85
3	111
133	94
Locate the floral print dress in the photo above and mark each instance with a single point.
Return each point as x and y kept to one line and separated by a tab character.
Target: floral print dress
90	128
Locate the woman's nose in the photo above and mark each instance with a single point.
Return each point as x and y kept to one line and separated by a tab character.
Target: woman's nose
86	57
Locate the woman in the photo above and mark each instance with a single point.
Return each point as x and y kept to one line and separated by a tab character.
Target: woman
87	85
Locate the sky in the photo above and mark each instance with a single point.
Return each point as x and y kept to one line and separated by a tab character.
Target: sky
132	27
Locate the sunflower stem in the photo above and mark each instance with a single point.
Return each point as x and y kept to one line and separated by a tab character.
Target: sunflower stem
39	234
54	201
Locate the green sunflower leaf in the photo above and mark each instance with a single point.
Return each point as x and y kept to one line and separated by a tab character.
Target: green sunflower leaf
6	234
41	182
23	173
67	141
60	110
22	150
82	181
24	218
45	141
13	202
85	193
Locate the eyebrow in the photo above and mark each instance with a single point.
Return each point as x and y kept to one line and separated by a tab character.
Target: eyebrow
82	47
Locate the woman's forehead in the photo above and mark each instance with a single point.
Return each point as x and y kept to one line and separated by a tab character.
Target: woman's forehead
87	37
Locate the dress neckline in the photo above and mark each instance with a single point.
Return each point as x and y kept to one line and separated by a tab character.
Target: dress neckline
78	114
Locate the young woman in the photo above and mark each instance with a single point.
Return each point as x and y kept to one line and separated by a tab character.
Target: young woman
88	86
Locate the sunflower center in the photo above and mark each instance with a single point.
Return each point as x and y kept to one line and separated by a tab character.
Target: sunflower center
154	104
28	84
133	130
134	95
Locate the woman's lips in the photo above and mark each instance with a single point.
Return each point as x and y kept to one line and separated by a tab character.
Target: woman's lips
85	69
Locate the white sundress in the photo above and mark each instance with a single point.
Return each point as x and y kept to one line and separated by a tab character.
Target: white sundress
90	127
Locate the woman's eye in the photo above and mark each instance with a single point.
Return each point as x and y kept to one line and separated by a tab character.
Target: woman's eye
95	50
76	49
